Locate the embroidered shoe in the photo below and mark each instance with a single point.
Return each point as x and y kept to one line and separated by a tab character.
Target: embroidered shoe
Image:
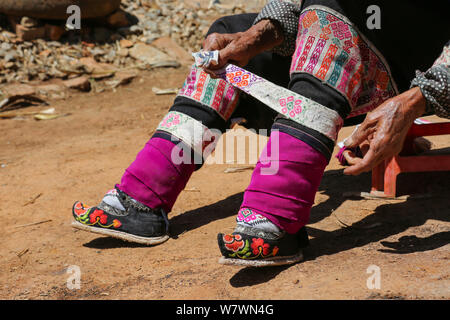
136	223
248	246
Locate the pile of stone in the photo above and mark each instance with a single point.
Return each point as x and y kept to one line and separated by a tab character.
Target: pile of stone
141	34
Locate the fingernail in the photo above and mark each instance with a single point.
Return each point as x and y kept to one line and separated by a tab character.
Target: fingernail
347	141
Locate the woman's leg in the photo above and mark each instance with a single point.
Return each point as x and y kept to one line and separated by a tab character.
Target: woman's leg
136	210
334	66
277	203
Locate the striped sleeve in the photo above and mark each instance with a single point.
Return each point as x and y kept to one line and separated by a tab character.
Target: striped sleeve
287	14
435	85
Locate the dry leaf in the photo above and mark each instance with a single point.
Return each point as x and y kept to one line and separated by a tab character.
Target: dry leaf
21	253
32	200
159	91
42	116
238	169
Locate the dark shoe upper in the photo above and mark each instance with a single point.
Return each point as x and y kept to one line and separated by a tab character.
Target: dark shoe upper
136	219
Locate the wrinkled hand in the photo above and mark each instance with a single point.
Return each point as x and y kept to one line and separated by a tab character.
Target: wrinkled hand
353	158
384	130
233	47
239	48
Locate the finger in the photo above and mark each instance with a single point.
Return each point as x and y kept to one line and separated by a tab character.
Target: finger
350	157
225	56
370	160
217	41
211	73
207	43
212	42
364	147
357	137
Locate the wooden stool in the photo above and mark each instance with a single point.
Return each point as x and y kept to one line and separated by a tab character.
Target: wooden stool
384	176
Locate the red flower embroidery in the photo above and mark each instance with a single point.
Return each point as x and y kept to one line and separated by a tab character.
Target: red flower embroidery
229	238
98	215
259	245
233	242
79	209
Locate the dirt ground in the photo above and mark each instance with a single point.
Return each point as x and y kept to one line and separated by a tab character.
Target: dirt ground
47	165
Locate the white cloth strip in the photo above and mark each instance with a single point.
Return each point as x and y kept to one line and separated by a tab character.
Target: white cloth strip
288	103
190	131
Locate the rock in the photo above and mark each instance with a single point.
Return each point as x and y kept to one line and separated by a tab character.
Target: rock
152	26
80	83
121	77
96	69
136	29
10	56
49	87
174	50
9	65
148	40
45	53
125	76
6	46
123	52
97	52
46	89
148	54
125	43
43	76
179	24
16	90
109	57
54	44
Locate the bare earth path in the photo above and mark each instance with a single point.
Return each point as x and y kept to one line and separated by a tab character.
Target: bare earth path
47	165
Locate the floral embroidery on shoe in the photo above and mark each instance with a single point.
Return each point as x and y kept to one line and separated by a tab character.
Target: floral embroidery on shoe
116	223
241	248
79	209
259	247
93	216
233	242
98	216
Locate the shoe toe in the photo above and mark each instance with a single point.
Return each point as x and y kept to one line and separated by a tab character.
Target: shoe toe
79	211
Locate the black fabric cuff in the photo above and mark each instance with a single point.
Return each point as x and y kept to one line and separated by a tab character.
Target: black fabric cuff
309	136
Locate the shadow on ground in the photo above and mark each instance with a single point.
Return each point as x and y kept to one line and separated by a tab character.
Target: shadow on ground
390	219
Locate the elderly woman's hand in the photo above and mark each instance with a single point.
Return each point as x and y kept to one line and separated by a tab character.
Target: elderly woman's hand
239	48
384	130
